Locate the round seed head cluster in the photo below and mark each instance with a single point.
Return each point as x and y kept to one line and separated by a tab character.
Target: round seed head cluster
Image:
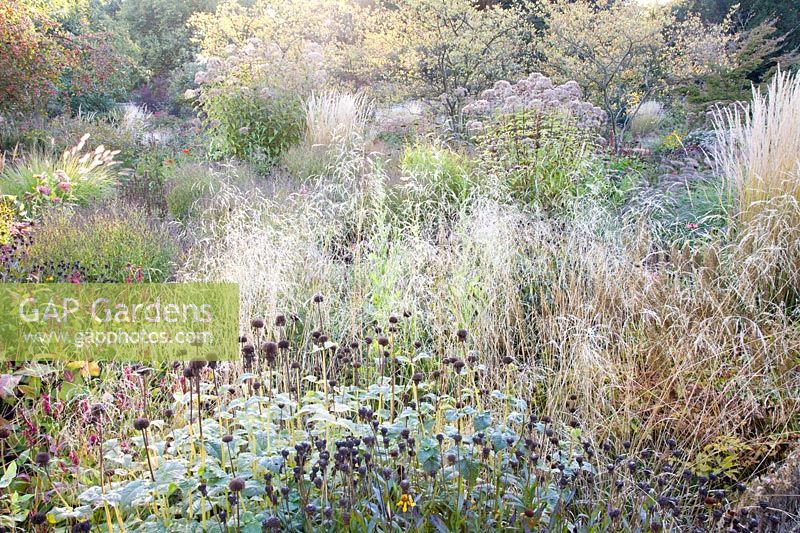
538	93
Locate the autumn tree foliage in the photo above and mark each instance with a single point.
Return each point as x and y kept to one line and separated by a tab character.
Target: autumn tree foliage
45	60
33	53
624	53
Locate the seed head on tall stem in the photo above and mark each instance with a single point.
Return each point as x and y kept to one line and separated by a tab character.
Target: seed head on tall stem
141	424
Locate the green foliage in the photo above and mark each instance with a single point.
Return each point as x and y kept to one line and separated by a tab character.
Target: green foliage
435	179
754	54
76	177
539	158
723	457
253	127
669	143
186	186
159	28
111	243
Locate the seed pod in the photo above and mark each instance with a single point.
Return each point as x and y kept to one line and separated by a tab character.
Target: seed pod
236	484
42	459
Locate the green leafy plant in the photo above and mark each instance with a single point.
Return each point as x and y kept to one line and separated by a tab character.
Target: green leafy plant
248	125
538	157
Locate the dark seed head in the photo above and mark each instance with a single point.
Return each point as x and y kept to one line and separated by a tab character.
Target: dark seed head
42	459
236	484
140	424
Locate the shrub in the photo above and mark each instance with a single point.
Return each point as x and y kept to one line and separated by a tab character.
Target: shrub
58	58
255	128
253	99
32	56
76	177
669	143
110	243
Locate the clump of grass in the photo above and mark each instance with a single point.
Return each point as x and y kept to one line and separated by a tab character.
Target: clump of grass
758	154
435	180
335	121
758	146
75	177
647	118
335	117
188	186
100	244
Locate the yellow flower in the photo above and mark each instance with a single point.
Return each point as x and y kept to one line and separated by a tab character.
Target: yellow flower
87	368
406	502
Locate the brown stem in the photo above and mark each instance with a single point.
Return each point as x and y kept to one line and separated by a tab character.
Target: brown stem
147	453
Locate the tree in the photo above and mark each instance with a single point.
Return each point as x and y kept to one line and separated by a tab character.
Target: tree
755	54
160	29
333	27
782	14
625	53
33	51
54	52
444	47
